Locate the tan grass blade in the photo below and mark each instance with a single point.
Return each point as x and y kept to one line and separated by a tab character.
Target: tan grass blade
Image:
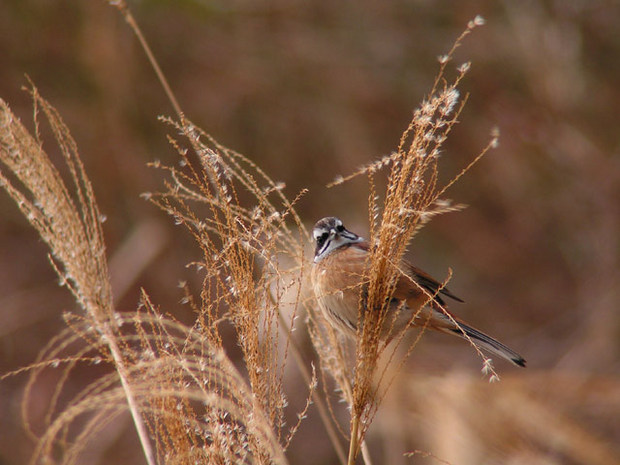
70	226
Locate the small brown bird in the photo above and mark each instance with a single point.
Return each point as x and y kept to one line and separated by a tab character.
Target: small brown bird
340	262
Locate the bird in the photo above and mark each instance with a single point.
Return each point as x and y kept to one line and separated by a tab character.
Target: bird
339	272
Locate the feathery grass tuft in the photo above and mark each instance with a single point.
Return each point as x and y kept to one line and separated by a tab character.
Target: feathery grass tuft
413	196
71	228
188	402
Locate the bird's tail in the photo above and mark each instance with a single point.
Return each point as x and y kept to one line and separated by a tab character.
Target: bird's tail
487	343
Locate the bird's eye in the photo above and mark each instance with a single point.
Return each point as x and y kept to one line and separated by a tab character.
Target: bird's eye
321	238
340	228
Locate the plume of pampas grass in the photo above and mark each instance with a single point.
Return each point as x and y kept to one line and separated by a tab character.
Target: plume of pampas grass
70	226
188	402
413	196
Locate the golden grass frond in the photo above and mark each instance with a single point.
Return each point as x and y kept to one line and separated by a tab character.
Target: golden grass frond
412	198
70	225
252	260
195	403
73	232
188	402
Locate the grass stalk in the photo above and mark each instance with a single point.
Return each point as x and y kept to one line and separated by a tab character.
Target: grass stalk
121	5
318	400
134	410
354	442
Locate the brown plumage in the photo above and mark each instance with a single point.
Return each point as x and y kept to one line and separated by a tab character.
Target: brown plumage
337	276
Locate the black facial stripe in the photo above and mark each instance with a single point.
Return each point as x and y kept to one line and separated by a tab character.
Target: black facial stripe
322	247
320	240
349	235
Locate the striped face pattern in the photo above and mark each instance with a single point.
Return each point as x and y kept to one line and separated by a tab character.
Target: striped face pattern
330	235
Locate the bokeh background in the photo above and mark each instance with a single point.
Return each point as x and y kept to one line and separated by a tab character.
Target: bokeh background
311	90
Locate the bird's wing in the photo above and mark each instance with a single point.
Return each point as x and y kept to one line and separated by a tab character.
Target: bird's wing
430	284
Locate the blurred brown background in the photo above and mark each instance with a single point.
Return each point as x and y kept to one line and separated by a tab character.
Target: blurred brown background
310	90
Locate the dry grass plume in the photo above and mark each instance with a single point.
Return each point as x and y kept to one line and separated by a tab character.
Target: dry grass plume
412	197
188	401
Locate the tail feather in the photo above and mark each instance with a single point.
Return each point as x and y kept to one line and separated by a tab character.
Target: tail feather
486	342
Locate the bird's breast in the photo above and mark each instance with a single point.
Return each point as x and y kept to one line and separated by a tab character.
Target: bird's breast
337	282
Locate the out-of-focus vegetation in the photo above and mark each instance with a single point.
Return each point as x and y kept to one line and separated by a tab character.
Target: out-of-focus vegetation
313	90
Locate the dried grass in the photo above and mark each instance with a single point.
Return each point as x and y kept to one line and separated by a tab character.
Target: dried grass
188	401
412	198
